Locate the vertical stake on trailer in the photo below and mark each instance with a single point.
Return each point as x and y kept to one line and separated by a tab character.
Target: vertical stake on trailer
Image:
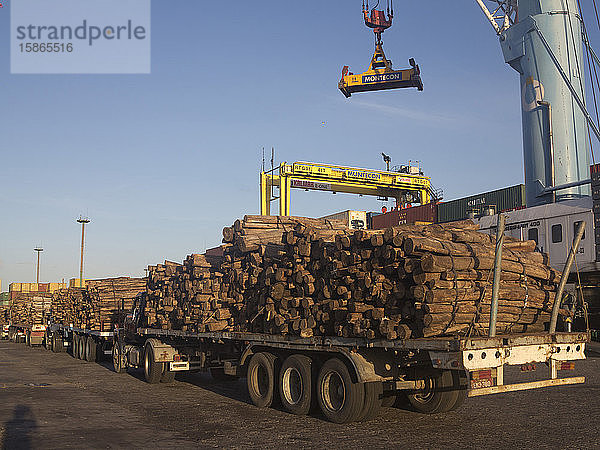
565	275
497	273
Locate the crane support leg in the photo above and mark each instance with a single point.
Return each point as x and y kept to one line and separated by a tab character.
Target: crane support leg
265	194
285	187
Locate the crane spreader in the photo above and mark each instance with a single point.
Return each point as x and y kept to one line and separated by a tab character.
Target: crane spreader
380	75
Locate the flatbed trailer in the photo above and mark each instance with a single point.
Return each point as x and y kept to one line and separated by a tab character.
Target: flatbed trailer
30	334
89	345
351	378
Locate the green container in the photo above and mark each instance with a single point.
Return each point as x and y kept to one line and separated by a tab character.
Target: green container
501	200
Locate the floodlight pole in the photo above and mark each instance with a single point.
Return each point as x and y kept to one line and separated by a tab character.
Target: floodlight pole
37	275
82	221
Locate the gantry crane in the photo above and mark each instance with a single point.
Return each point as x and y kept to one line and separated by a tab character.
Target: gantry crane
409	187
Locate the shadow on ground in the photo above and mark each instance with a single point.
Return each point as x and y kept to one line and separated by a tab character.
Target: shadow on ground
17	432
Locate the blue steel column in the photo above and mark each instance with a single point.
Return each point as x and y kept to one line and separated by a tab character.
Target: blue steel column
555	140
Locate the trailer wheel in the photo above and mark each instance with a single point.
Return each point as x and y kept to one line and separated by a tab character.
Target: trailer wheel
373	401
152	370
460	382
77	346
296	384
74	346
340	399
167	376
117	358
388	401
57	343
90	349
82	348
437	397
261	379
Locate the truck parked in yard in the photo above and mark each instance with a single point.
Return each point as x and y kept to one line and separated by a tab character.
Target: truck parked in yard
348	378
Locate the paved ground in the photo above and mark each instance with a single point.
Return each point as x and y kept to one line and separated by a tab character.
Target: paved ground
54	401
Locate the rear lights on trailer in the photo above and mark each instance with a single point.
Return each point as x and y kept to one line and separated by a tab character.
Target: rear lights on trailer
483	378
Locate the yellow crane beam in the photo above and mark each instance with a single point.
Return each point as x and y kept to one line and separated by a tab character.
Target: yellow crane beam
351	180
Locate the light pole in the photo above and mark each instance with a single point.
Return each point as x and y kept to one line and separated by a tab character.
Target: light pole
37	276
82	221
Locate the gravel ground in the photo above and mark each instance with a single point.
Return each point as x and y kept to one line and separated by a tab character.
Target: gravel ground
51	400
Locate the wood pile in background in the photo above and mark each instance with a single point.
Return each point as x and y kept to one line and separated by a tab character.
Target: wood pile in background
99	306
65	304
30	308
307	277
4	315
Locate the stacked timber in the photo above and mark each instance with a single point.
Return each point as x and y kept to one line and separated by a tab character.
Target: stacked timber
226	289
314	277
30	308
99	306
65	304
107	301
4	315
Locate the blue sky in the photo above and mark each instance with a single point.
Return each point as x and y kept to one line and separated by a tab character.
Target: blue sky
161	162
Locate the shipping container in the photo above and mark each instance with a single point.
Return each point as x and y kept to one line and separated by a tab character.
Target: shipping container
370	216
357	220
422	214
488	203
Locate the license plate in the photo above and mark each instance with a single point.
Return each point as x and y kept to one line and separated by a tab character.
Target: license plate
179	366
479	384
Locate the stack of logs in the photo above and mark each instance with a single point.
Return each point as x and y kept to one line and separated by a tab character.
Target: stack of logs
30	308
99	306
307	277
4	315
65	303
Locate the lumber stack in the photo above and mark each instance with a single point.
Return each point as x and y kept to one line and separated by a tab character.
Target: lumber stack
30	308
106	301
99	306
308	277
65	304
4	315
226	289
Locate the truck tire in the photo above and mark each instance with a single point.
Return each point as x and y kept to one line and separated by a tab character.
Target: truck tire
167	376
117	358
340	399
90	349
57	343
152	370
81	348
296	384
388	401
435	398
261	379
460	382
75	346
372	403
